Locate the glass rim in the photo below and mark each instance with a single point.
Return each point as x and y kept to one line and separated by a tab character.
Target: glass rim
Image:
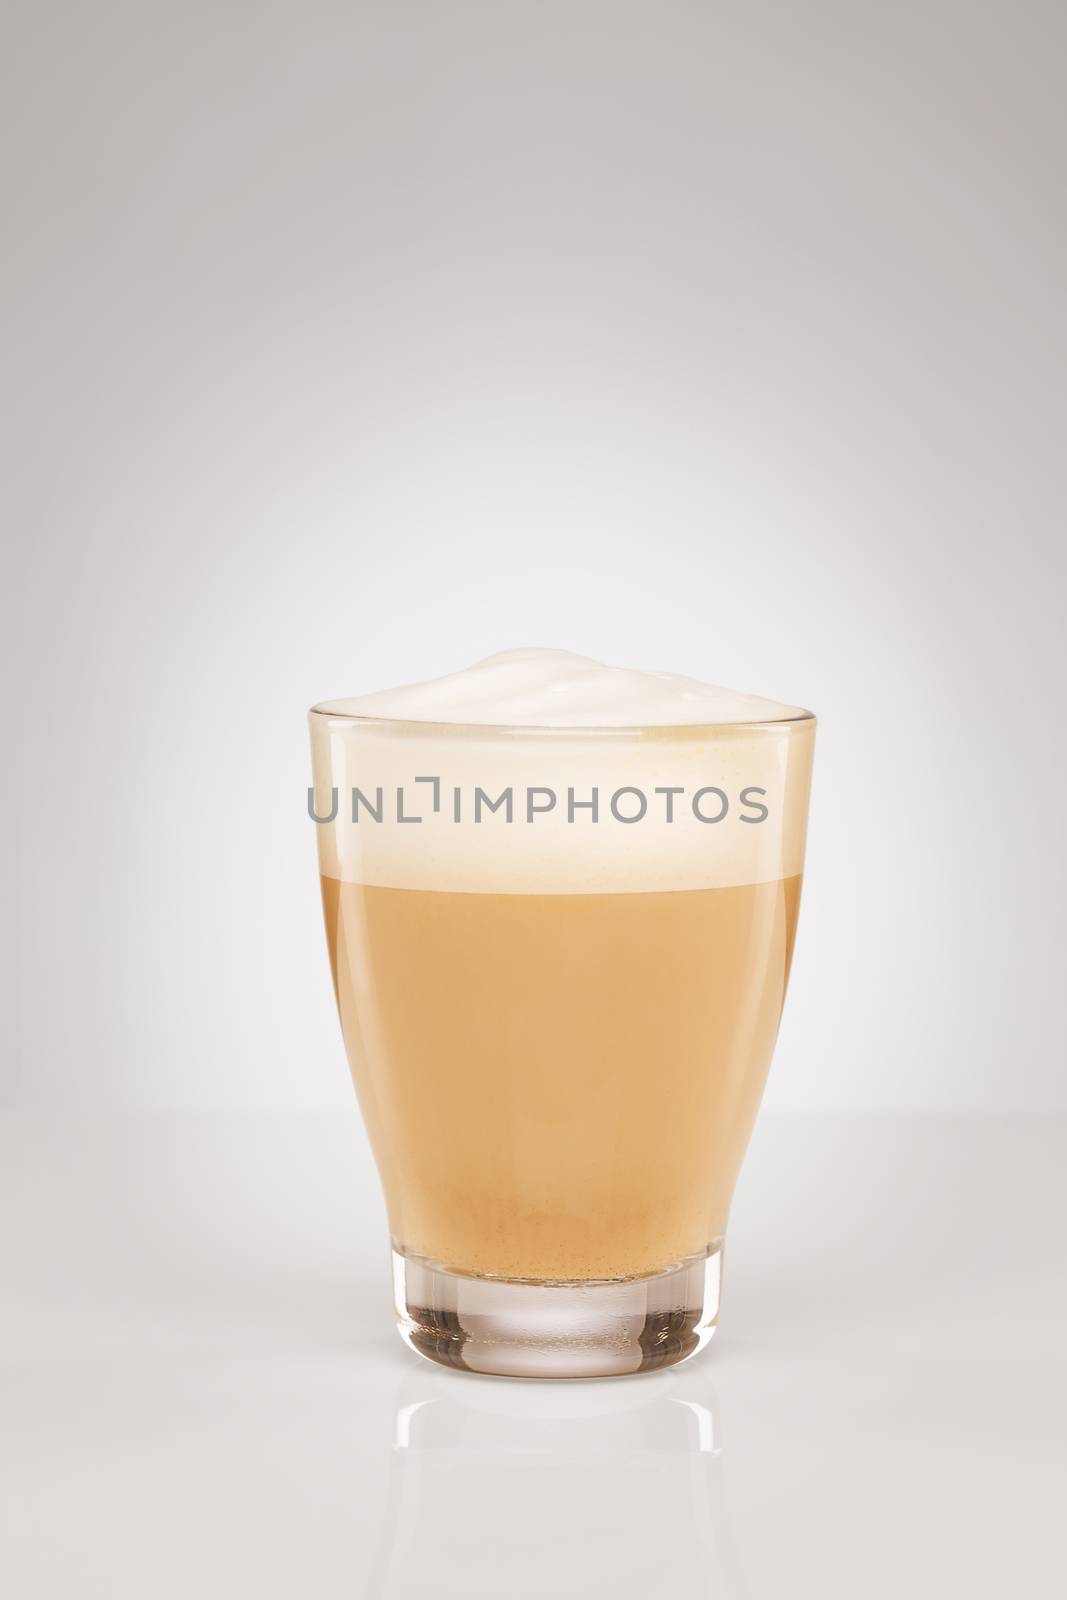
324	712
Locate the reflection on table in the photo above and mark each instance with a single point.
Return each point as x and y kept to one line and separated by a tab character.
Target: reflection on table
542	1489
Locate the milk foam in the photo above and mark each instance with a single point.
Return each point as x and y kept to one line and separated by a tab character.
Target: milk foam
556	689
657	782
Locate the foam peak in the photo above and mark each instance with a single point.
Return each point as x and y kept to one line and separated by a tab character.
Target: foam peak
557	689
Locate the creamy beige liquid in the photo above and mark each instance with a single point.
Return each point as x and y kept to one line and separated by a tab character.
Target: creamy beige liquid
559	1086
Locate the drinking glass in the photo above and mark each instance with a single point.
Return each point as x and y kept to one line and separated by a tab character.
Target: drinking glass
560	957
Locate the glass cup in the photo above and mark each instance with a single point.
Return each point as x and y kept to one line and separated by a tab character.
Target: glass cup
560	958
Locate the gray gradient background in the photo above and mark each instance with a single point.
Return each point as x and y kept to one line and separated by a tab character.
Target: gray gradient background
345	344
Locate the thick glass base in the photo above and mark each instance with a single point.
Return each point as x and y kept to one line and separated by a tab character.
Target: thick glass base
529	1329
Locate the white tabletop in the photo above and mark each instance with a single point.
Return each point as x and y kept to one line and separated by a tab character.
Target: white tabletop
203	1394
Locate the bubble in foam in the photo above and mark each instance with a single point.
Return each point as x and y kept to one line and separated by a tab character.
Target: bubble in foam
558	689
